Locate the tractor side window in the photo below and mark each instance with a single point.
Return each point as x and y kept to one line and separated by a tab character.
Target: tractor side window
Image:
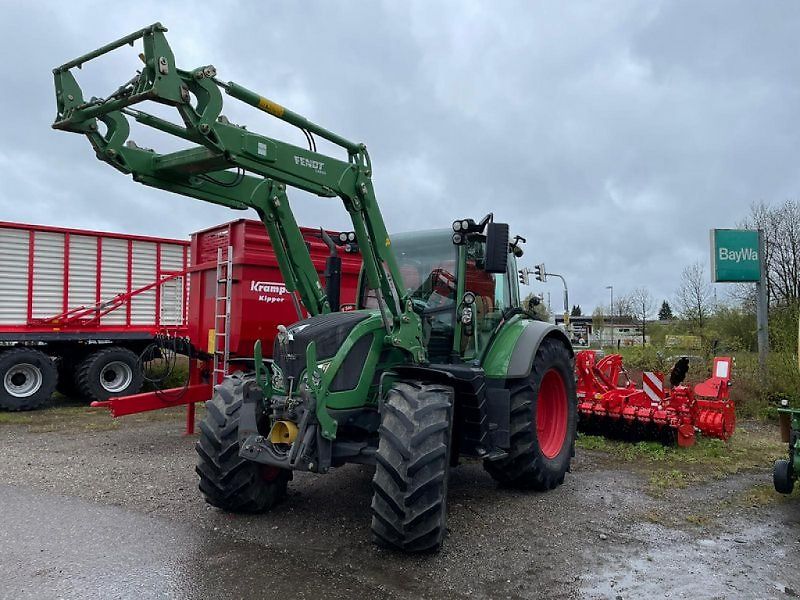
502	293
492	292
512	275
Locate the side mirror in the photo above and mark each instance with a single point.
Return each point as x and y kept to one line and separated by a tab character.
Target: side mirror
532	303
497	238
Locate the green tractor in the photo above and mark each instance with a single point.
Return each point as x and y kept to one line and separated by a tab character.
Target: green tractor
786	471
438	361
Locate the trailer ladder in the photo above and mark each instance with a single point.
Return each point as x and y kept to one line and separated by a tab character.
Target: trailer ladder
222	314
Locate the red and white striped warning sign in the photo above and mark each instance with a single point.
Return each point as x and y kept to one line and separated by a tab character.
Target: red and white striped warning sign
653	385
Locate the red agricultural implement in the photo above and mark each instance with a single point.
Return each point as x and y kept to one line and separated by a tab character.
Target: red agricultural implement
236	296
608	407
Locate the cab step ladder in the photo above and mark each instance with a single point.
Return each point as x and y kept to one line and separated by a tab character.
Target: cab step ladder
222	314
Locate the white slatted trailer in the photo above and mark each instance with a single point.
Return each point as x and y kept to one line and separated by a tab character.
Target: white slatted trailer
77	307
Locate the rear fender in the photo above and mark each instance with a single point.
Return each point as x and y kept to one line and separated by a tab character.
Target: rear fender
514	348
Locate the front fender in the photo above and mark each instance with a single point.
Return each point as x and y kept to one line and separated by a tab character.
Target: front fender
512	352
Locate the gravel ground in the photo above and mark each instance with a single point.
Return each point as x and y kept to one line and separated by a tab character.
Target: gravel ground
600	535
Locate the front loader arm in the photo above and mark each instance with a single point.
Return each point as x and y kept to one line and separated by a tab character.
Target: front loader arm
264	167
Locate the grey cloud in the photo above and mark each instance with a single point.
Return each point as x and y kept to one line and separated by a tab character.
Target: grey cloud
612	135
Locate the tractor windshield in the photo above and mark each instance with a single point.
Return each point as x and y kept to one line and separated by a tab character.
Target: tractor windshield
428	265
427	262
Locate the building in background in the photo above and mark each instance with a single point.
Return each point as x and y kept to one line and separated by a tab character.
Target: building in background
585	332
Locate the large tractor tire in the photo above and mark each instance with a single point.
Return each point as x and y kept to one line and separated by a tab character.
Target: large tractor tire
782	476
543	423
27	378
109	373
409	503
228	481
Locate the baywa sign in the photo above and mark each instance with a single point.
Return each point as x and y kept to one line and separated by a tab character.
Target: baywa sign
735	255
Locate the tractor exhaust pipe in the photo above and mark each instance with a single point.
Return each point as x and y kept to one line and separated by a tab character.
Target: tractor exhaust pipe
333	272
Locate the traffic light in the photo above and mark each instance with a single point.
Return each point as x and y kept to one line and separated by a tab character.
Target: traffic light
541	274
523	276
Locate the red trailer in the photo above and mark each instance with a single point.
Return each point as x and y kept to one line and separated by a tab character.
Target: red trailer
77	307
237	296
257	300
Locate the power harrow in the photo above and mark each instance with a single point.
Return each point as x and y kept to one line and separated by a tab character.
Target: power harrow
672	415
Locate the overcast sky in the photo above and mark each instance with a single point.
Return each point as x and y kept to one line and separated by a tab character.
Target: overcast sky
612	135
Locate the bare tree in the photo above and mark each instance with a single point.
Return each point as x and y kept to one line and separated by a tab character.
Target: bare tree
623	307
643	305
781	227
694	296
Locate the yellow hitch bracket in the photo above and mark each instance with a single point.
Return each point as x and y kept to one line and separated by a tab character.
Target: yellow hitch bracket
283	432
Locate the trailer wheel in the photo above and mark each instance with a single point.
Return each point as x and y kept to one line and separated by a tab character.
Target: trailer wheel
227	480
543	423
27	379
109	373
409	504
782	476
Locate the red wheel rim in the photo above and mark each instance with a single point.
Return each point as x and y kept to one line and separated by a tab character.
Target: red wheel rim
551	414
269	473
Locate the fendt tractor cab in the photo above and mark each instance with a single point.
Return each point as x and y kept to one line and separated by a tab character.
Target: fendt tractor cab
437	361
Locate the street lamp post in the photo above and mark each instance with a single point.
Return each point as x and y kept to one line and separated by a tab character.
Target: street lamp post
611	287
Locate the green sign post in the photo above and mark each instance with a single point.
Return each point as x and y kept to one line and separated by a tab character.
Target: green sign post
735	255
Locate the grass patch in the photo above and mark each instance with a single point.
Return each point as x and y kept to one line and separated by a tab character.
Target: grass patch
758	495
85	418
699	520
668	479
753	446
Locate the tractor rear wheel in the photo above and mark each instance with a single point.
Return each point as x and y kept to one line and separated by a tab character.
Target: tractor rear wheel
782	476
543	423
409	504
227	480
27	378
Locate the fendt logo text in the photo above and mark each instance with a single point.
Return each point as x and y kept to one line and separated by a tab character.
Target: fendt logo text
269	291
317	165
746	254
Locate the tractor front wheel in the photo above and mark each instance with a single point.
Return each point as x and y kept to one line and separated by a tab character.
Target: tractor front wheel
227	480
782	476
409	504
544	416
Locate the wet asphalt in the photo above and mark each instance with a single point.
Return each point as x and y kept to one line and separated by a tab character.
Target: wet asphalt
59	547
116	514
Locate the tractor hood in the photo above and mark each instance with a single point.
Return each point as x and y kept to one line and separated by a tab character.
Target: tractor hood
329	331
